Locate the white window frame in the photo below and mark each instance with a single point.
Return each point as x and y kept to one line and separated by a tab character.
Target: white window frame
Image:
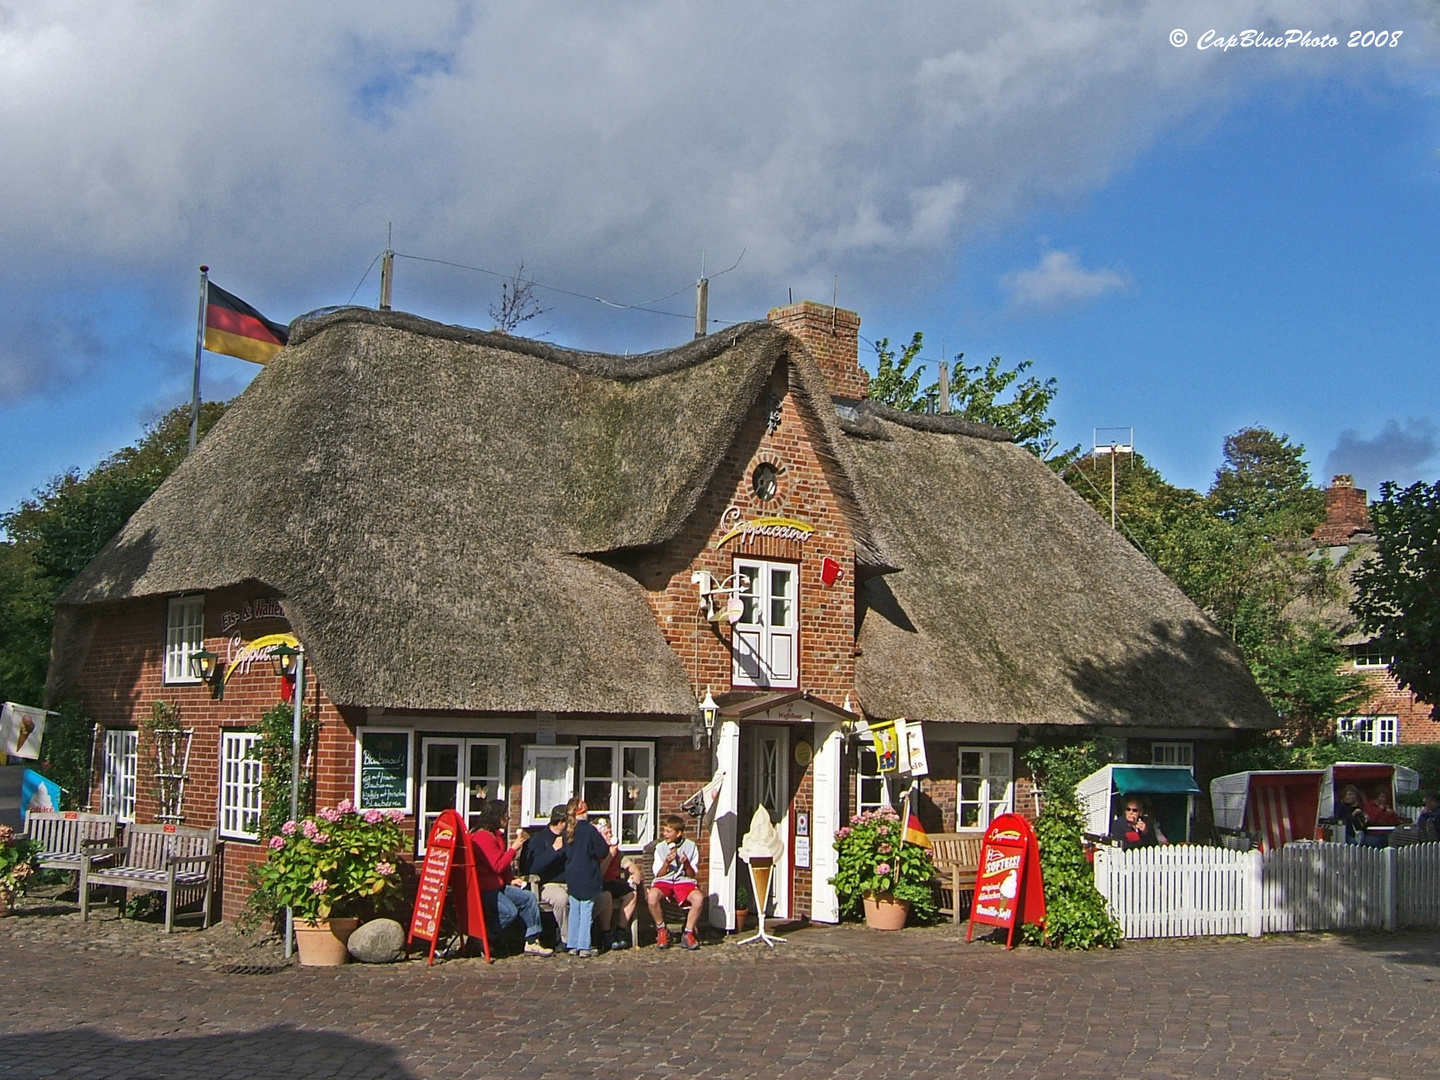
530	813
612	809
184	634
240	785
425	813
1176	754
870	776
119	772
1377	730
988	805
1366	657
759	641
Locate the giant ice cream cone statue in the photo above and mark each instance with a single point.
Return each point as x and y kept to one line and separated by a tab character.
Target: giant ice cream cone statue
760	848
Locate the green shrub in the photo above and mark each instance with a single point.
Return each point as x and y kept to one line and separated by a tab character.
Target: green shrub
874	857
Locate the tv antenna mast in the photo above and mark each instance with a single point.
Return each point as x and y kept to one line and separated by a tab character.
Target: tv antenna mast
1112	446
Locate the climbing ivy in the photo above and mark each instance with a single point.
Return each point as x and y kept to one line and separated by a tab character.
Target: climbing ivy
276	732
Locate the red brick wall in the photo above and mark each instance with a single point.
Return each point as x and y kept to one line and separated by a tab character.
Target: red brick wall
1345	512
827	613
1387	699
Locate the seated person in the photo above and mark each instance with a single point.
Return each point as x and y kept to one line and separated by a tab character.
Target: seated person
1350	813
493	861
545	858
676	877
1379	811
1427	825
622	881
1134	828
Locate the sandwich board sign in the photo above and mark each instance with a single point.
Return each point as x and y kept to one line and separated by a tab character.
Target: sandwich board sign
448	852
1008	889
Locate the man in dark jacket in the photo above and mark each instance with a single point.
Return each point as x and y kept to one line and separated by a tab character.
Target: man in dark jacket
1133	828
545	858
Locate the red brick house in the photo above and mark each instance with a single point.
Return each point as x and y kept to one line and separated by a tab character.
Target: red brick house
1391	715
516	570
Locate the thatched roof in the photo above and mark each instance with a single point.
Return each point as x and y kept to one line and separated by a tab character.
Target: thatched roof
425	499
1016	603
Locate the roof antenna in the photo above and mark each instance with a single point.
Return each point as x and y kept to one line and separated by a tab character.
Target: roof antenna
1113	449
834	301
387	269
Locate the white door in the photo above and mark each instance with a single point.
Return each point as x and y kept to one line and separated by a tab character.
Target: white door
770	786
824	903
765	640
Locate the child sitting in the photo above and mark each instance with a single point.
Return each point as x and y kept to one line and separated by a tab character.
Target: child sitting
675	872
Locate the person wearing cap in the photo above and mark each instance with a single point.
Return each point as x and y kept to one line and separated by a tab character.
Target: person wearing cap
545	859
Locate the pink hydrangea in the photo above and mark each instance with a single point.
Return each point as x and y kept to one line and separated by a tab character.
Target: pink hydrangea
346	807
289	828
373	817
310	829
321	838
319	885
396	816
276	843
384	869
7	834
329	813
883	849
882	868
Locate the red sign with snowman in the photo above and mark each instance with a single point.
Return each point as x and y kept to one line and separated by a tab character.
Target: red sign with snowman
1008	889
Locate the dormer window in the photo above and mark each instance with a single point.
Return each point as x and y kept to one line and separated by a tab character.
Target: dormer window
765	640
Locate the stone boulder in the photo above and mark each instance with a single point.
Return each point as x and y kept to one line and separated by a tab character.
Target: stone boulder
379	941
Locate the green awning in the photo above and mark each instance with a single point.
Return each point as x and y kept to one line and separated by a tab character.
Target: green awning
1153	781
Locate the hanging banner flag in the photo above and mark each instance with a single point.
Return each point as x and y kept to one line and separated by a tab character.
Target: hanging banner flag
916	763
1008	888
235	328
887	744
21	729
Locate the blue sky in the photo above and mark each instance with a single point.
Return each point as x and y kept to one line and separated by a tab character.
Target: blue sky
1189	242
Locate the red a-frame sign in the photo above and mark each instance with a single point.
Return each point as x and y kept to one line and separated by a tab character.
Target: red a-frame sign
448	850
1008	889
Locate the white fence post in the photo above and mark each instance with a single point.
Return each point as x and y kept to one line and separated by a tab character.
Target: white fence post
1391	893
1254	892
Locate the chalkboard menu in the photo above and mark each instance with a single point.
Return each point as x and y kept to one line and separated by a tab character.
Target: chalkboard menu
384	770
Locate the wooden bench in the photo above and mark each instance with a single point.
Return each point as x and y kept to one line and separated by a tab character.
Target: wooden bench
154	858
62	834
957	864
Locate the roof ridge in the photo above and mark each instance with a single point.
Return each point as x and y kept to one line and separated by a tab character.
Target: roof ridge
937	423
606	365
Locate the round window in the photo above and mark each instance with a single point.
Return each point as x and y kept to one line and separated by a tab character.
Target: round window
764	481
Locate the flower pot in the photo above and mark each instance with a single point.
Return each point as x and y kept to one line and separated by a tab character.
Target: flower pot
323	943
7	903
884	912
742	915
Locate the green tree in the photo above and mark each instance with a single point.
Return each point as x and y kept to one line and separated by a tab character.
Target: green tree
974	396
1398	589
1264	484
48	539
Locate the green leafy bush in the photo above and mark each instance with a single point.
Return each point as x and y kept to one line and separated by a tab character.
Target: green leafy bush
1076	915
336	864
874	858
17	861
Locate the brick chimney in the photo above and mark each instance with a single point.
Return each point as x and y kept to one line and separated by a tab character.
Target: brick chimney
1345	513
832	337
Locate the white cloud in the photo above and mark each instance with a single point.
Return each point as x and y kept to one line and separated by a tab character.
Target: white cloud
1059	281
607	146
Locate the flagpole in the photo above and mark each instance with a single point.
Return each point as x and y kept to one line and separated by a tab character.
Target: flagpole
199	345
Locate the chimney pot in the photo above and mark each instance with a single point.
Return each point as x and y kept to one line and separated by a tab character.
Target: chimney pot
831	335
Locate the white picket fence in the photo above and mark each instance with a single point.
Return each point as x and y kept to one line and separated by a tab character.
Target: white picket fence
1190	891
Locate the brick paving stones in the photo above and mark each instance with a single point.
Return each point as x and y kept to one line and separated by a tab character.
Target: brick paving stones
839	1001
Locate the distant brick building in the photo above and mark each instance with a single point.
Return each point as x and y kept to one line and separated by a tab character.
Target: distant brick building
1391	716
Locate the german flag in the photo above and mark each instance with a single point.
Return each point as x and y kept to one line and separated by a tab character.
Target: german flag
235	328
915	832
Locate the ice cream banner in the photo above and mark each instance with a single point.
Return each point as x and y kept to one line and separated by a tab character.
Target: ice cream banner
21	729
889	744
916	762
1008	888
38	793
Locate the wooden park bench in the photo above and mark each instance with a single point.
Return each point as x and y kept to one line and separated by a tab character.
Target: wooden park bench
957	864
62	834
155	858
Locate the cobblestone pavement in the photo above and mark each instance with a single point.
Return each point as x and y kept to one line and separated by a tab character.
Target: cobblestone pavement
107	999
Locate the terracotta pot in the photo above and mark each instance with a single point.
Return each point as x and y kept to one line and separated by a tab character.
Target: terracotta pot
323	943
742	915
884	912
7	903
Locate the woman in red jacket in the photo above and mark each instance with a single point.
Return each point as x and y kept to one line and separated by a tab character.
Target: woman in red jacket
493	859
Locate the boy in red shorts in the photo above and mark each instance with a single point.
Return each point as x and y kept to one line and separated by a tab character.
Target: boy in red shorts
675	876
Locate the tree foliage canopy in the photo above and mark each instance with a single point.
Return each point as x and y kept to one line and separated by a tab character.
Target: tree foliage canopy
975	394
1398	589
